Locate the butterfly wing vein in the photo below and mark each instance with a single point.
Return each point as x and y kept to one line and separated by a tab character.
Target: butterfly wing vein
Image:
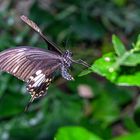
23	62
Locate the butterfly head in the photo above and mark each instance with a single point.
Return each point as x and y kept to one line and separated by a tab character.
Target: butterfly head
67	58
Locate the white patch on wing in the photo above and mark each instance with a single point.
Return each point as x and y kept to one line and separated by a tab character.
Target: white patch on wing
47	80
38	72
38	80
30	78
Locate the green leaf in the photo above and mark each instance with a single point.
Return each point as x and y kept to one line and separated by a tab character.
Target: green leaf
137	45
134	136
130	124
103	66
132	60
85	72
75	133
128	76
118	45
129	79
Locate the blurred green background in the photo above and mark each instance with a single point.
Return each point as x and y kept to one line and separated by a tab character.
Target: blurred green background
90	108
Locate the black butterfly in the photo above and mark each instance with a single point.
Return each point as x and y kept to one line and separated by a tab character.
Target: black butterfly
37	66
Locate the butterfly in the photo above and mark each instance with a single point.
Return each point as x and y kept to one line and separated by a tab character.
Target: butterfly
37	66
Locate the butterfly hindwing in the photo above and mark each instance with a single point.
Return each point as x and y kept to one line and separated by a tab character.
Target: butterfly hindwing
38	84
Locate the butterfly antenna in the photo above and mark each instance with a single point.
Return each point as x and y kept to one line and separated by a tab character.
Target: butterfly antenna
38	30
29	103
80	61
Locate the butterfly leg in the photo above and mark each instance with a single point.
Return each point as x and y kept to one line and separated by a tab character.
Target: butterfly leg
80	61
65	74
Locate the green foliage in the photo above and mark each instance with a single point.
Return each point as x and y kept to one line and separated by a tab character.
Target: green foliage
118	46
75	133
134	136
91	107
120	67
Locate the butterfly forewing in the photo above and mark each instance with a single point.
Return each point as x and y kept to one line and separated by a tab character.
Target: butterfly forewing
23	62
51	45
